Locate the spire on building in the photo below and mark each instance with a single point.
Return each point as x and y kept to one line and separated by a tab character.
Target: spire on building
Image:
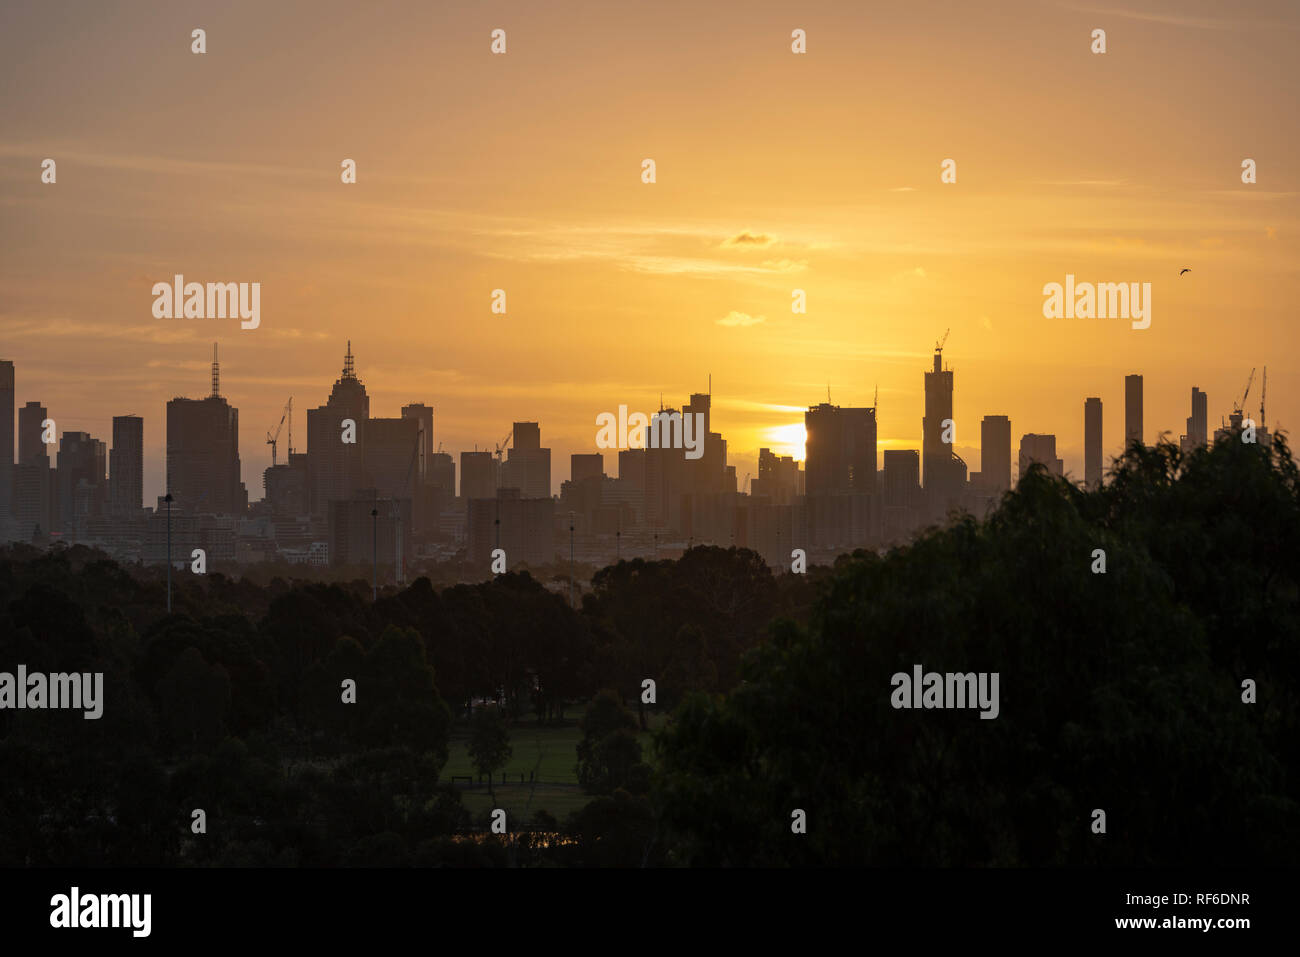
349	370
216	373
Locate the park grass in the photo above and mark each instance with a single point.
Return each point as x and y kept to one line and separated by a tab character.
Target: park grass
548	752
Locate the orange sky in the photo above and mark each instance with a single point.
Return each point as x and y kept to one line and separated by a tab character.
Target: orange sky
522	172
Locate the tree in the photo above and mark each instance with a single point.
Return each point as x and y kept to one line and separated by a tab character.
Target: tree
489	743
609	749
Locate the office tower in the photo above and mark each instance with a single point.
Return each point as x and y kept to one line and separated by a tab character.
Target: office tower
526	529
336	469
995	454
942	471
902	476
392	457
442	472
6	440
1092	442
478	475
203	469
126	467
80	476
358	538
631	467
1198	429
1132	410
424	415
285	487
706	474
528	465
779	479
1040	449
586	466
35	502
840	449
32	449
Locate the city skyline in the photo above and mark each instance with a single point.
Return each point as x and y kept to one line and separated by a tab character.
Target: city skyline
522	172
426	413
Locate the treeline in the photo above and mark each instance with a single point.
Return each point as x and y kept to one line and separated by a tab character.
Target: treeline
1161	691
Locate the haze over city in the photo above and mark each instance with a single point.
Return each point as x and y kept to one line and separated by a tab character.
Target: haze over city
522	172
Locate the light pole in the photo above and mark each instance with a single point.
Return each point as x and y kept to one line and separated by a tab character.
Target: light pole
168	500
374	524
571	605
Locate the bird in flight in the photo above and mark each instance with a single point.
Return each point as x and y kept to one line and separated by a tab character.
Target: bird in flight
1188	269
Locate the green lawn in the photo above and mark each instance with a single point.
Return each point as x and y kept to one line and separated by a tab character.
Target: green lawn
548	752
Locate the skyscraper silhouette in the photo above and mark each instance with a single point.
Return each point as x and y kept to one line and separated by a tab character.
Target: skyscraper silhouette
1092	442
1132	410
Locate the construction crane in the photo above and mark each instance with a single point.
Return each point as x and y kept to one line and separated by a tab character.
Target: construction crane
938	346
272	438
504	443
1263	393
1241	403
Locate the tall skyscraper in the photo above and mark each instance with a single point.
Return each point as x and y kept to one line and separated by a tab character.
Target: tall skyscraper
35	499
82	487
995	454
1092	442
528	465
943	472
1040	449
1198	427
126	467
478	475
424	415
6	440
1132	409
203	468
839	449
336	469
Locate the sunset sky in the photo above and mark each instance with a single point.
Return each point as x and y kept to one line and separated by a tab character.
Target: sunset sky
775	171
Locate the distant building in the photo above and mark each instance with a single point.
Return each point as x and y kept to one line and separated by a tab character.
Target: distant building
478	475
780	480
1132	410
524	528
527	466
6	440
336	469
1040	449
126	468
995	454
203	469
1198	430
82	484
840	450
1092	444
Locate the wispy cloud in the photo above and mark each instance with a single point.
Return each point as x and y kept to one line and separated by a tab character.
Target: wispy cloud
734	318
748	239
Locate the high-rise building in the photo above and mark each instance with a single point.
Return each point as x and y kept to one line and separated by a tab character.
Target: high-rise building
393	456
586	466
335	468
995	454
478	475
840	450
1132	410
81	480
6	440
424	415
902	476
1040	449
442	472
31	435
527	466
779	479
126	467
203	469
1198	428
942	472
1092	442
36	512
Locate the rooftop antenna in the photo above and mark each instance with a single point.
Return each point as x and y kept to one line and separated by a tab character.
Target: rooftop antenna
828	393
216	373
875	399
349	369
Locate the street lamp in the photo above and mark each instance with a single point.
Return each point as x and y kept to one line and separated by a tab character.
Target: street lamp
374	523
168	500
